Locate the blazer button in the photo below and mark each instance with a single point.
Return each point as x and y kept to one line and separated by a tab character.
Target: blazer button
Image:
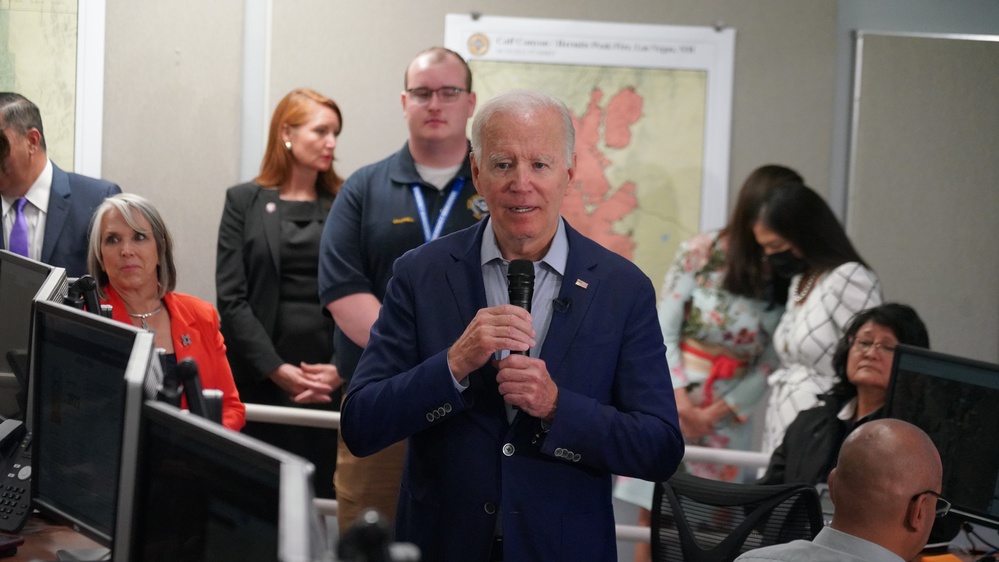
576	457
489	508
430	417
508	449
447	407
441	411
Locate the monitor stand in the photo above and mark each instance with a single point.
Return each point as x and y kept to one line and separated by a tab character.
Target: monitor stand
83	554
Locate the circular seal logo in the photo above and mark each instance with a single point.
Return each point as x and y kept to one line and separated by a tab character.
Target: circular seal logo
477	204
478	44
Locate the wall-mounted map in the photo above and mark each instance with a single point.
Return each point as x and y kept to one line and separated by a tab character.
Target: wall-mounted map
651	111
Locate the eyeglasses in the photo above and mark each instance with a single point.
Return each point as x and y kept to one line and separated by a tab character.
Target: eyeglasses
446	94
943	504
863	346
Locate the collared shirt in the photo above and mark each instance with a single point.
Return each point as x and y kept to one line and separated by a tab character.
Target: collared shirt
372	223
849	411
34	212
829	545
548	275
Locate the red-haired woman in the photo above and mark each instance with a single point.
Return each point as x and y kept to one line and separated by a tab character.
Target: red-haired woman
280	345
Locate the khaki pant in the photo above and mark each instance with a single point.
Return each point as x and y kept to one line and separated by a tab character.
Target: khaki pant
369	482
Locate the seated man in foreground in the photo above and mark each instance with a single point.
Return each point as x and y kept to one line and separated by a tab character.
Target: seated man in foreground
886	492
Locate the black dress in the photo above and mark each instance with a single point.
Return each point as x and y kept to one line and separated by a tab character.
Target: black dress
302	333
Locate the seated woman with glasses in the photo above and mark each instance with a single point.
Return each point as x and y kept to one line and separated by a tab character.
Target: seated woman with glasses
862	363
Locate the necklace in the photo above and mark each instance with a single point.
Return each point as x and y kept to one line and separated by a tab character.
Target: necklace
145	325
800	293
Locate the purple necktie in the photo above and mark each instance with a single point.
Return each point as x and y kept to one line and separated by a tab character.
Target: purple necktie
19	234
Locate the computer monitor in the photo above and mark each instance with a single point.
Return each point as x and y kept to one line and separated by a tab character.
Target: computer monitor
956	402
88	378
203	492
22	281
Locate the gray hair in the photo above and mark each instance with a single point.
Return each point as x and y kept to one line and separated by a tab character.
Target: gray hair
20	114
523	102
126	204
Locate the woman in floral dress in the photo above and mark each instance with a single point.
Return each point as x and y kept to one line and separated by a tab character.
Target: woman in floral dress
717	310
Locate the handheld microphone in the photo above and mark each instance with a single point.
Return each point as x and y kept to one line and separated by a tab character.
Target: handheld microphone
520	276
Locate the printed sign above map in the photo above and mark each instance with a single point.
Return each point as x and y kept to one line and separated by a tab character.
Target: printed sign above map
652	109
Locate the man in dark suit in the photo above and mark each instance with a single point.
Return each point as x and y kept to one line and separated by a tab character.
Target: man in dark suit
511	456
57	206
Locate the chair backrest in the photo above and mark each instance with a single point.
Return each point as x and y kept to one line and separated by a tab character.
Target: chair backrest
699	520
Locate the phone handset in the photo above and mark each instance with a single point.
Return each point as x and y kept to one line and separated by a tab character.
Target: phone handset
11	432
15	448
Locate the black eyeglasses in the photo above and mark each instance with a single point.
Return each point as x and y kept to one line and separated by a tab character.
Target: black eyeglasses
446	94
943	504
863	346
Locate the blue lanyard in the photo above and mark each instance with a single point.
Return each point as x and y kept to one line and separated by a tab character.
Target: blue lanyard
421	207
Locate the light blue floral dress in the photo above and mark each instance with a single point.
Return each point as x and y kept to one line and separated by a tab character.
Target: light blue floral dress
694	306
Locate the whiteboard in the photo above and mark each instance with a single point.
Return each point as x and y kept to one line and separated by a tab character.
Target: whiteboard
923	191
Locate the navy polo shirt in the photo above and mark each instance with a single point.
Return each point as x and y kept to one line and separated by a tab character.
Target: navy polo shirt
374	220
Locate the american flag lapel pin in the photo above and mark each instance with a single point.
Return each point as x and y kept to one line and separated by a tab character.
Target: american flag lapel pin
582	284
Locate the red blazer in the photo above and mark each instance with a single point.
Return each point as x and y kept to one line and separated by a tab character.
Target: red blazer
194	325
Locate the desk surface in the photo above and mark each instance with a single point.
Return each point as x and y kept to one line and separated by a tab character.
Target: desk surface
42	540
953	554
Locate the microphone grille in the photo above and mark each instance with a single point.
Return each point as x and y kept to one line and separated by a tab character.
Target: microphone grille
521	267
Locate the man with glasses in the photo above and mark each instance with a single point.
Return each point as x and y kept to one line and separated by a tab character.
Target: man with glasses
418	194
885	490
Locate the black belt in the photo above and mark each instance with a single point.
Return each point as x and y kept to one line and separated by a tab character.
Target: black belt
496	553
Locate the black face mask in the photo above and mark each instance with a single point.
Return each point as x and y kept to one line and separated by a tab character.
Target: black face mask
785	264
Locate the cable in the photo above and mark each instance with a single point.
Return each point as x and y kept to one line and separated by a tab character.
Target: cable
969	531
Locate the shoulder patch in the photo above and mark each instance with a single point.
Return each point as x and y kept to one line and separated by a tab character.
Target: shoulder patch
477	204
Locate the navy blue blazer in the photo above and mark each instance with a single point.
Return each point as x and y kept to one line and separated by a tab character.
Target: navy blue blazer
466	464
72	203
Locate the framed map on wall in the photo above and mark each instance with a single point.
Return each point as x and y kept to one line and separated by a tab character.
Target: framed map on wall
652	109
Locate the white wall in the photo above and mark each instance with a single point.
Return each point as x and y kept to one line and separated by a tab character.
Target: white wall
172	118
925	259
174	86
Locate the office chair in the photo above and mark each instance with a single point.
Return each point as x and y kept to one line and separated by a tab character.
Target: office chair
699	520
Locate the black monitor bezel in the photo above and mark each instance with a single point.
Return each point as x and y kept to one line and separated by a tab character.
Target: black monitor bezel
902	354
56	284
139	375
300	537
53	288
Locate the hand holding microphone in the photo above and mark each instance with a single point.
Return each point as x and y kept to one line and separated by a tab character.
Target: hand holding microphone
497	328
526	386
